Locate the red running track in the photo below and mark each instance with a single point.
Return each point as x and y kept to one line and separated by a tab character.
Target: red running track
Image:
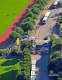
19	18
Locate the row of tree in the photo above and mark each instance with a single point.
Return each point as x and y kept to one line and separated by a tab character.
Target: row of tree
25	66
60	25
55	63
21	52
31	15
56	43
16	33
27	24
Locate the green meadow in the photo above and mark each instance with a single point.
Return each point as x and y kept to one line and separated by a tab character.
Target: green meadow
9	69
9	9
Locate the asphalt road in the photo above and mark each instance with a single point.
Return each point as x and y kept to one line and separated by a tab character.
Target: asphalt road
42	63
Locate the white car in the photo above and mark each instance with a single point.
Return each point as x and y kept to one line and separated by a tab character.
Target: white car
32	39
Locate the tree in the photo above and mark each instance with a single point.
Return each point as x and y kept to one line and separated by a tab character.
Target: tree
3	52
19	30
15	35
21	76
56	54
56	61
29	19
25	45
53	38
35	10
59	22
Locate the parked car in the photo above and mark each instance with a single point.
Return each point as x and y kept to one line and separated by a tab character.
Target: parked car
46	38
32	39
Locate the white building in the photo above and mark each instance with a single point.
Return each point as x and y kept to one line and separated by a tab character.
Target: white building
33	77
33	62
33	67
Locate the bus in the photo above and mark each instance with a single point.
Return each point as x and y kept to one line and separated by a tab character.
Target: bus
56	4
45	18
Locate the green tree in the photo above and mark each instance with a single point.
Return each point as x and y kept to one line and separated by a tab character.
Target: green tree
56	61
19	30
35	10
15	35
3	52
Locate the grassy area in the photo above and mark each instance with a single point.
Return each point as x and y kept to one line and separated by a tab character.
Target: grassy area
9	9
9	69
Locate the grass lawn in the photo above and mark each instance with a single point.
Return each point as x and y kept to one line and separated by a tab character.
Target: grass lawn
9	9
9	69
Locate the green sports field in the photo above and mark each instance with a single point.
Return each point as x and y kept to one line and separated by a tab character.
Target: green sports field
9	9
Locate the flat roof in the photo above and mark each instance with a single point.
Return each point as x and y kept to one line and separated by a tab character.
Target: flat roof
55	3
45	18
33	62
32	73
33	77
33	67
47	13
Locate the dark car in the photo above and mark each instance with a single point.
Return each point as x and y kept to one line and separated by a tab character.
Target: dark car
46	38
